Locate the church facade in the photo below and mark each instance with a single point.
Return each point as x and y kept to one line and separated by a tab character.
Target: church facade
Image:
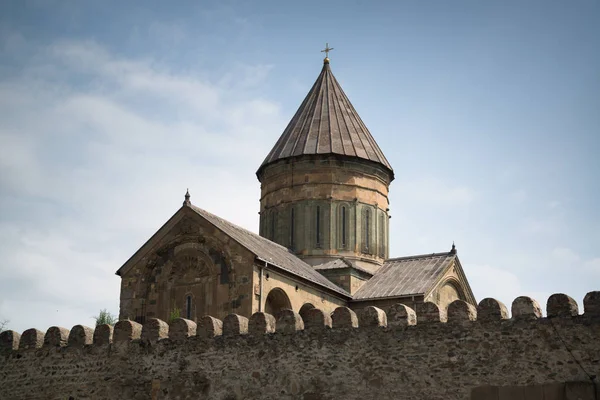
324	234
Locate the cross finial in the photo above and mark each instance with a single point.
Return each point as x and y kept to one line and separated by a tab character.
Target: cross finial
326	50
453	251
187	201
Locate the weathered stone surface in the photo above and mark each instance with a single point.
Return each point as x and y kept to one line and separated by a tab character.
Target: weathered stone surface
424	361
289	321
103	334
181	329
591	304
490	309
524	307
261	323
9	340
561	305
155	329
31	339
234	325
461	311
56	337
429	312
80	336
209	327
126	330
401	315
343	317
317	319
372	316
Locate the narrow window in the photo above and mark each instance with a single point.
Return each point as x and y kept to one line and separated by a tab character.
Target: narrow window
292	229
318	225
273	226
188	307
367	228
381	237
343	226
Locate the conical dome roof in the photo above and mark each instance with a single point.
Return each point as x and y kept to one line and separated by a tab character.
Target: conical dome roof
326	123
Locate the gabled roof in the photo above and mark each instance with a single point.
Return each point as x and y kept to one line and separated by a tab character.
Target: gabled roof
405	276
271	252
340	263
327	123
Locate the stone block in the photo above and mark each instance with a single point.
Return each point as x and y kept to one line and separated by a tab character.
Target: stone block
126	331
579	391
554	391
31	339
524	307
429	312
103	334
181	329
591	304
289	321
490	309
235	324
461	311
484	393
343	317
154	330
372	316
80	336
512	393
209	327
56	337
401	315
561	305
9	341
261	323
317	319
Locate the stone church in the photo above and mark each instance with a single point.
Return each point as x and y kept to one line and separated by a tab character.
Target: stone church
324	234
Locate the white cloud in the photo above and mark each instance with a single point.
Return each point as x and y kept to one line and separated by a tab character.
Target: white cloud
96	163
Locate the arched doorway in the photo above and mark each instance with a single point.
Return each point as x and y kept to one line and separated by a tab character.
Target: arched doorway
277	300
304	309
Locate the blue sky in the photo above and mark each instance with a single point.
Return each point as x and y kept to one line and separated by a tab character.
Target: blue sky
489	113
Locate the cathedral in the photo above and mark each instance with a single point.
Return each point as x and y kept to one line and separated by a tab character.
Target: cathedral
323	237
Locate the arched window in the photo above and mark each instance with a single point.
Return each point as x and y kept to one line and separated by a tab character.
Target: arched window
292	229
344	226
188	307
318	226
273	216
367	229
382	240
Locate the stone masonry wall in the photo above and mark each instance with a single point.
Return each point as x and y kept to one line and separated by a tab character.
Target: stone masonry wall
403	354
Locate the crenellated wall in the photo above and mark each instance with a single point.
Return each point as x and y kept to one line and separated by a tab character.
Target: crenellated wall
425	353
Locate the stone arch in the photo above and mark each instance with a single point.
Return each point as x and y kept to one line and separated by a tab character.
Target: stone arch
448	291
306	307
277	300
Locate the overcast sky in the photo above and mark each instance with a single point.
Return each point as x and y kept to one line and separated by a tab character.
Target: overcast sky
489	113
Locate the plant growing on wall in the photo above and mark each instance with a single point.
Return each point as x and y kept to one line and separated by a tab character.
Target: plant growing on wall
174	314
105	317
3	324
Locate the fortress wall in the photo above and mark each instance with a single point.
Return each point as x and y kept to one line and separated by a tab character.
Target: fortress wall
404	354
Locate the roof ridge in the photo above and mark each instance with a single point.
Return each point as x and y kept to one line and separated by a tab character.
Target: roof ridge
447	253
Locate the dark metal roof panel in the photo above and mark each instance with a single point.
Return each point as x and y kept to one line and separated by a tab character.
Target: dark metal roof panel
326	123
271	252
405	276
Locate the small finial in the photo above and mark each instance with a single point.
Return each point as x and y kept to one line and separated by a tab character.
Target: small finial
187	201
453	251
326	51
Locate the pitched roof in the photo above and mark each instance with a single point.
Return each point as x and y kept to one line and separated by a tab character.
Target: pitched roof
327	123
414	275
269	251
